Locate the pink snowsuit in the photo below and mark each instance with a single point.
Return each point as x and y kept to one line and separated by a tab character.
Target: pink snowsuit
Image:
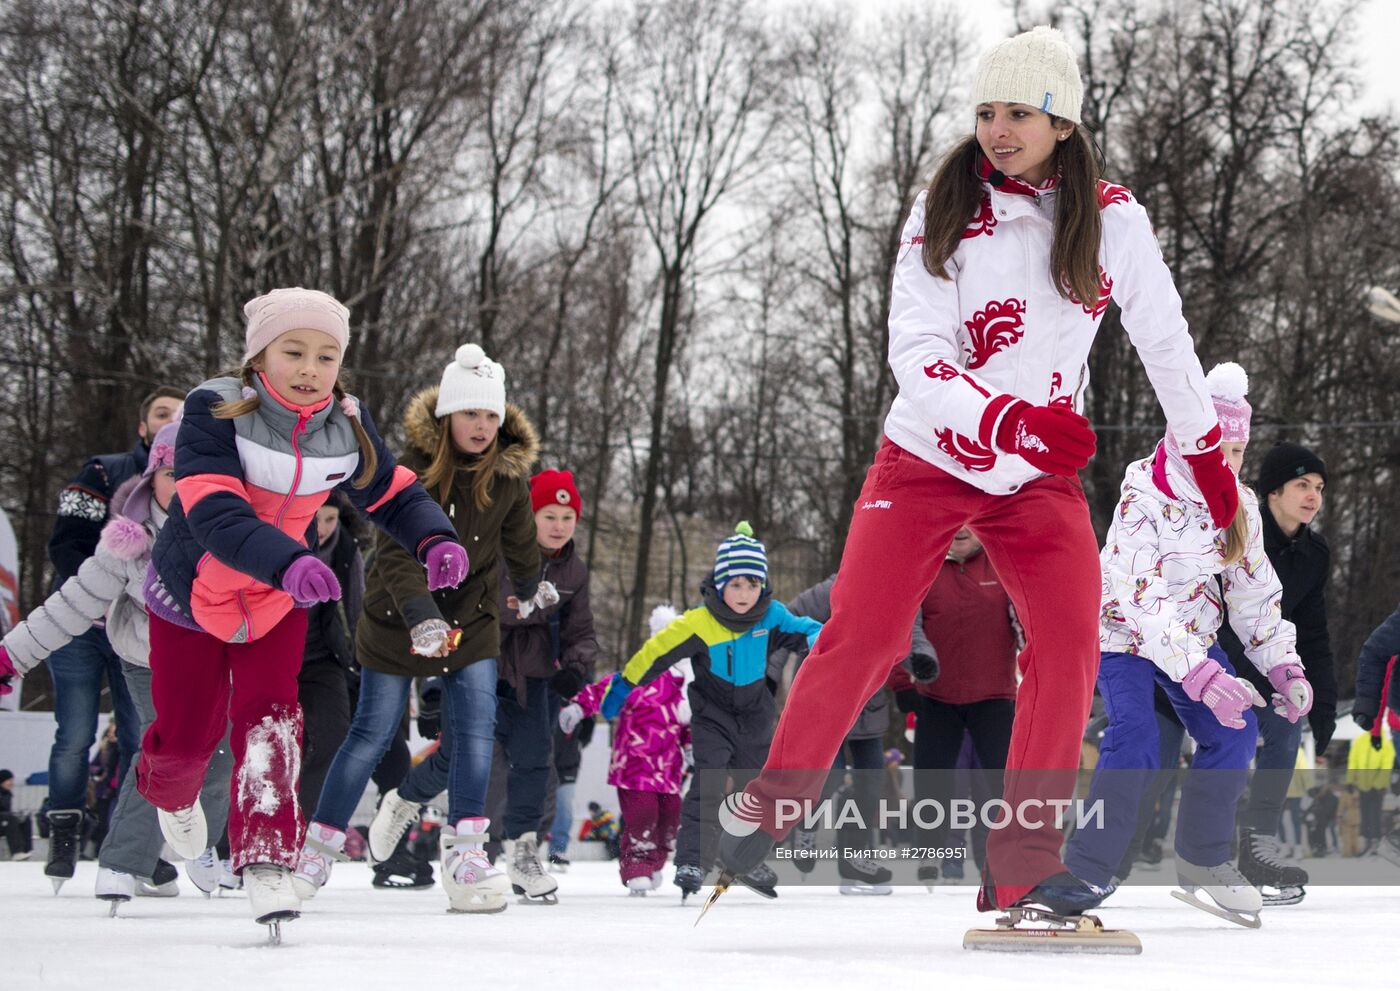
648	765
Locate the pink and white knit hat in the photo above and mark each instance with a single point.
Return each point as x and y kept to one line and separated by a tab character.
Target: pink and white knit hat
1228	385
273	314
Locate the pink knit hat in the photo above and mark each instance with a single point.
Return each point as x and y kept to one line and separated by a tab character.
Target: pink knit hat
1228	385
273	314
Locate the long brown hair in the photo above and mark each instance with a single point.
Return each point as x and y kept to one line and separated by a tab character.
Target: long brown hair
242	407
955	194
1236	537
437	477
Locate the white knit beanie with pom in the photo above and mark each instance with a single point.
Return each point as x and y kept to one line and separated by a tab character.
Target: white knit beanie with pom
472	381
1036	68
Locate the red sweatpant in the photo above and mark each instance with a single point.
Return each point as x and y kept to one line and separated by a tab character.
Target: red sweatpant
1043	547
191	677
649	823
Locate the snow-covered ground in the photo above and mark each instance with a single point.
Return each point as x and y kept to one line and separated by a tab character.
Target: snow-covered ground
353	936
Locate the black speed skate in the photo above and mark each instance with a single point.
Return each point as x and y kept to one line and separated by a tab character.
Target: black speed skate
64	829
761	881
1262	864
403	869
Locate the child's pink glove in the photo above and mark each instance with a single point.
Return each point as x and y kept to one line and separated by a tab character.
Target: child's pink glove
309	580
446	562
7	671
1226	696
1294	692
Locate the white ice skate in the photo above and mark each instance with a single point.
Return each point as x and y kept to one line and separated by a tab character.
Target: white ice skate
185	830
204	871
272	897
115	888
639	887
471	883
391	821
1235	899
527	875
657	879
322	847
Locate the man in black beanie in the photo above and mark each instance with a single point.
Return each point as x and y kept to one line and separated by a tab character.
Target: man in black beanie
1289	486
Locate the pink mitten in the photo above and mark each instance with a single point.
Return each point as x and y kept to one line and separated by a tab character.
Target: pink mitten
1294	694
446	562
7	671
1226	696
309	580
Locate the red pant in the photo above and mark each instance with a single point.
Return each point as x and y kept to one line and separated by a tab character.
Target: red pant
1043	547
191	676
649	823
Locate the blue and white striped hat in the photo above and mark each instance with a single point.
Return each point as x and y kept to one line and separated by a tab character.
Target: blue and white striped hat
741	554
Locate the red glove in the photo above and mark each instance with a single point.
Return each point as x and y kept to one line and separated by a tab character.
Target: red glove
1218	484
1054	439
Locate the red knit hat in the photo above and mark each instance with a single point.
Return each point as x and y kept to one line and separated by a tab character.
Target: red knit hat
555	488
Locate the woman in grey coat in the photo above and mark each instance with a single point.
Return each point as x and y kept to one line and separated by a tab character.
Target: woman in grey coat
109	584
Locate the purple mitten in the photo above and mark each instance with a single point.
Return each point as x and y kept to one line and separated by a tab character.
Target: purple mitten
309	580
446	562
7	671
1293	693
1226	696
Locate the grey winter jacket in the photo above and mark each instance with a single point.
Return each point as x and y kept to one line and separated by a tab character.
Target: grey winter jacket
109	583
874	719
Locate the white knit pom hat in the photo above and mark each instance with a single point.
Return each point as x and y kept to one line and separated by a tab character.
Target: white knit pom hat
472	381
1036	68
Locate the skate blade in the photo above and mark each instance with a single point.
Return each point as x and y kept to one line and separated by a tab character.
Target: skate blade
1250	920
548	899
492	907
1056	934
721	886
1290	895
114	902
57	883
273	921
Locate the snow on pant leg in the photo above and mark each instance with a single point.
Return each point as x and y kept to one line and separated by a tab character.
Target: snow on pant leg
901	527
1127	762
264	821
1043	547
640	839
190	691
713	746
668	821
939	729
1205	821
528	748
1273	770
378	712
469	695
325	714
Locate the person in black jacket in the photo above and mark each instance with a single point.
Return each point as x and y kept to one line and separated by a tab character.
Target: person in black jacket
1290	486
79	668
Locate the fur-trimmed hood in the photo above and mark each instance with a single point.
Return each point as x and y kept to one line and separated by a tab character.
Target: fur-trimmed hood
519	440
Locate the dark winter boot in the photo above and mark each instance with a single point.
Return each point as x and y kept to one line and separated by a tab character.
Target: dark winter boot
65	826
1065	894
403	869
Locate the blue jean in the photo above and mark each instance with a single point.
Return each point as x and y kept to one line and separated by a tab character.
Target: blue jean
1273	771
468	696
1130	757
563	819
525	734
77	670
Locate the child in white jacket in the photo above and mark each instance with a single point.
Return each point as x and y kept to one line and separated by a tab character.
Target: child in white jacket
1162	607
108	588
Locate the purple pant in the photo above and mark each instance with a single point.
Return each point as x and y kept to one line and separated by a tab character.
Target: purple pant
649	822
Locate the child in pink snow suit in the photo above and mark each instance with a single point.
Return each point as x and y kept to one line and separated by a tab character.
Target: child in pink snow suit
1006	266
231	578
651	747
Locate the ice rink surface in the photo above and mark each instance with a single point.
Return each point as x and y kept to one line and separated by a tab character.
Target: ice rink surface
354	936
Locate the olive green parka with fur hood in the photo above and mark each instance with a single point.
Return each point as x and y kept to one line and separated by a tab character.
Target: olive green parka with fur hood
396	588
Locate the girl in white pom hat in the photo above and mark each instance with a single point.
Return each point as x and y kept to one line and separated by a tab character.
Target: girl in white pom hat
1168	575
473	452
1008	261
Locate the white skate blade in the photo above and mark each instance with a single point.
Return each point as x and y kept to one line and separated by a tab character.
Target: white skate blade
1057	934
1250	920
273	921
543	898
1289	894
481	905
114	902
57	883
866	890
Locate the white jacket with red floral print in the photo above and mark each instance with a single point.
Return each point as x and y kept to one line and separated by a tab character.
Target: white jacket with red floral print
1159	562
964	349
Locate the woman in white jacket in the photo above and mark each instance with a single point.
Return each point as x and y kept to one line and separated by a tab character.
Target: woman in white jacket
1162	606
108	588
1008	263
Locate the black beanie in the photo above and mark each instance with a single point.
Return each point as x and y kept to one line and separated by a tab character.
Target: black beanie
1285	462
6	775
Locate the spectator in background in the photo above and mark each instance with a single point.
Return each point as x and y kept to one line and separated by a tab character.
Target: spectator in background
15	827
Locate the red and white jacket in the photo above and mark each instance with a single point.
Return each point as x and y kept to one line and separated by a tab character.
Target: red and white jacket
964	349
